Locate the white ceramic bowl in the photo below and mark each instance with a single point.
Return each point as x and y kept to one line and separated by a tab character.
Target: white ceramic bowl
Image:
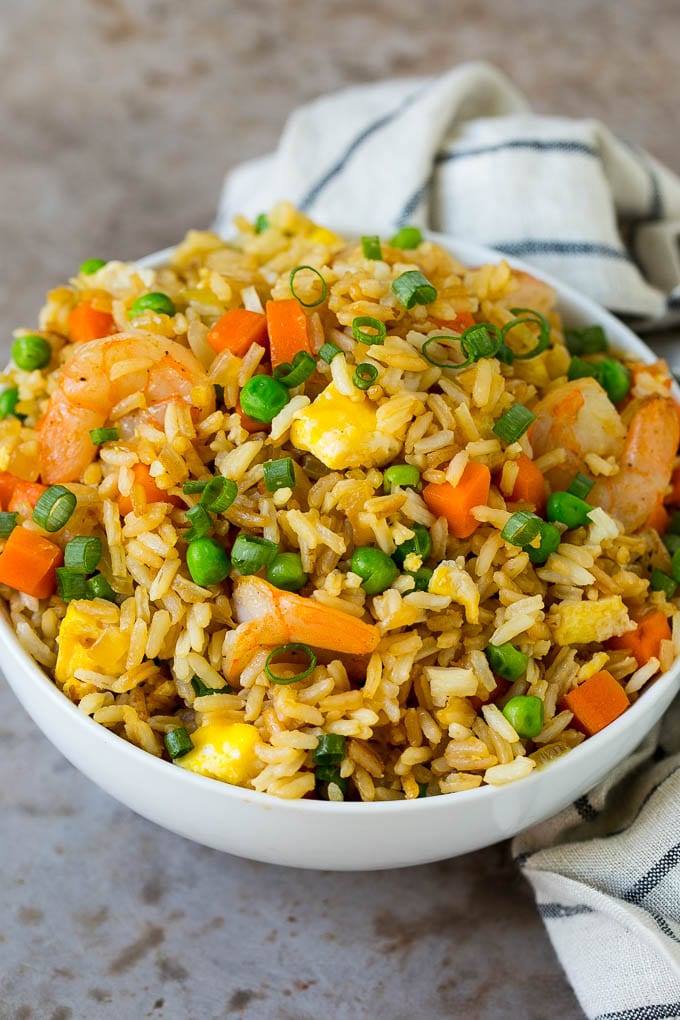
318	834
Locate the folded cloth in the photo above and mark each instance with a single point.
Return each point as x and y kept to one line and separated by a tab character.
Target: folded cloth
463	154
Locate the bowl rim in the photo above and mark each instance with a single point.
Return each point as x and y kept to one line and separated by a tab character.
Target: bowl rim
589	749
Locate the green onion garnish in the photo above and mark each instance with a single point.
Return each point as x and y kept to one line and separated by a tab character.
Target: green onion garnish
250	553
422	578
412	288
420	544
513	423
659	581
178	742
588	340
483	340
370	247
219	494
9	399
672	542
201	690
279	474
327	774
82	554
364	376
54	508
263	397
533	318
451	342
286	572
330	749
201	522
296	647
324	286
328	351
90	266
522	528
156	302
99	436
8	522
98	587
407	238
406	476
302	366
580	485
194	485
675	566
422	790
378	330
70	585
261	223
506	661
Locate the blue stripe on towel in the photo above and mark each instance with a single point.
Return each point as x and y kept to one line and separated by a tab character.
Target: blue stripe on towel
586	810
656	874
553	911
535	247
565	146
661	1011
355	144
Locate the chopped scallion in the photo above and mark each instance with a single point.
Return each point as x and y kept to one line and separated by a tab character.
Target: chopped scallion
98	587
364	376
54	508
580	485
328	351
412	288
513	423
370	247
261	223
82	554
522	528
8	522
279	474
296	647
201	523
324	286
660	581
530	317
330	749
70	585
362	324
588	340
302	366
178	742
250	553
219	494
194	485
100	436
201	690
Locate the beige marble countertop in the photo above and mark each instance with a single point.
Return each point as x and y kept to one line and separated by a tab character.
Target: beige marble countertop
118	119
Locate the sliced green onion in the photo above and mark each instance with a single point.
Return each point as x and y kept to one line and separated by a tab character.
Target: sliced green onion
580	485
659	581
565	508
672	542
250	553
279	474
406	476
286	572
9	399
407	238
201	690
70	585
54	508
588	340
261	223
513	423
370	247
90	266
263	397
82	554
31	352
422	578
100	436
420	544
359	330
525	713
675	567
549	543
324	286
376	569
364	376
443	341
328	351
194	485
156	302
303	365
522	528
201	523
483	340
296	647
330	749
506	661
98	587
422	790
412	288
327	775
219	494
178	742
533	318
8	522
614	378
207	561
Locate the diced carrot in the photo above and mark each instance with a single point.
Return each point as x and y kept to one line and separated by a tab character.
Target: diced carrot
462	321
454	502
596	702
248	423
88	323
25	493
644	642
237	330
673	497
145	483
659	519
287	329
8	483
29	563
529	485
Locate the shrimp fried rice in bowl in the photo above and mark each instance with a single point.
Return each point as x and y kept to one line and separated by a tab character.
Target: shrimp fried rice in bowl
338	520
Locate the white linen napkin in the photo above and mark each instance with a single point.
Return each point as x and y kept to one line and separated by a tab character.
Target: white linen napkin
463	154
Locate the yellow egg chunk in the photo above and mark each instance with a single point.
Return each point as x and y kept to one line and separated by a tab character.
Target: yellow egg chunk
582	622
89	638
223	751
341	432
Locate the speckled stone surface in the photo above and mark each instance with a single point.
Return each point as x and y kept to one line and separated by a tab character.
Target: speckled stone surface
118	119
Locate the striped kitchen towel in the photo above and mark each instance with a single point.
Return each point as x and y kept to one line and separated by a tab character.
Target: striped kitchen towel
464	155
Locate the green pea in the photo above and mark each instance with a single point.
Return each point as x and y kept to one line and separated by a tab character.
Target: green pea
263	397
9	399
525	713
286	572
207	561
31	352
90	266
550	541
377	570
156	302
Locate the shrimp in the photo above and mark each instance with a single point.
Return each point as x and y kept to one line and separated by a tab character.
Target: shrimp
645	468
579	418
269	617
99	375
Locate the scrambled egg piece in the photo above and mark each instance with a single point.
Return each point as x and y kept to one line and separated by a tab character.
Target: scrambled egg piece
223	750
89	638
341	432
574	623
449	578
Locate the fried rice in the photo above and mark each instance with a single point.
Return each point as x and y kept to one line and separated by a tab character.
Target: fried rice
306	666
